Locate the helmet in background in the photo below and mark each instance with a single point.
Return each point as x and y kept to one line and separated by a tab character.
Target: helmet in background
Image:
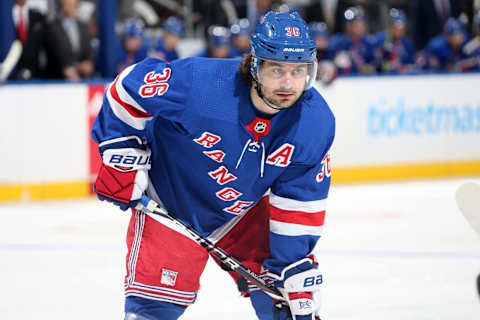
353	13
241	27
396	16
133	28
453	26
218	36
318	29
174	25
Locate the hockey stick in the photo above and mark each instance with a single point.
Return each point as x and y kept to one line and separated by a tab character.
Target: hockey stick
152	209
11	60
468	201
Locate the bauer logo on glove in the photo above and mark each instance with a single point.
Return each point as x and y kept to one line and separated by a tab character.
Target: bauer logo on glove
124	160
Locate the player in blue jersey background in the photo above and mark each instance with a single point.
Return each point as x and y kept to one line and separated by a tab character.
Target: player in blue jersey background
132	46
166	46
444	52
237	150
393	48
218	44
353	50
240	32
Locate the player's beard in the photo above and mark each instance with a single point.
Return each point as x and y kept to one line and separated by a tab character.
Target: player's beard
282	103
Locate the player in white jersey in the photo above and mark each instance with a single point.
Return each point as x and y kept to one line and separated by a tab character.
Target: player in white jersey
238	151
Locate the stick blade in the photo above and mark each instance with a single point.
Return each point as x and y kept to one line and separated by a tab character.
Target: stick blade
468	201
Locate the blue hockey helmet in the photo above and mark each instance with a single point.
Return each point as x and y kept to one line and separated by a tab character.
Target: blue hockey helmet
353	13
453	26
174	25
241	27
283	36
218	36
396	16
133	28
318	29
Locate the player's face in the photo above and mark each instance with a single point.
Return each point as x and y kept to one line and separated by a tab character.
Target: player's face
356	29
455	40
321	43
69	7
219	52
283	82
133	44
242	42
398	30
170	41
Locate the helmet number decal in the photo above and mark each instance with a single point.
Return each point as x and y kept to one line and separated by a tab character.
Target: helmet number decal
292	31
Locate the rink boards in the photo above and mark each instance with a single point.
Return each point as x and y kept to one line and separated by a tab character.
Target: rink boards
388	128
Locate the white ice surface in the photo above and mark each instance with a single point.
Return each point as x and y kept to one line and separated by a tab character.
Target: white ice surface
389	251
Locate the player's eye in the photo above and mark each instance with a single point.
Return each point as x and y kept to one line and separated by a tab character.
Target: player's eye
278	71
299	71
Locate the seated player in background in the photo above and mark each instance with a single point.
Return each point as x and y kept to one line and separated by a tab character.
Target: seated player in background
319	32
327	70
240	32
133	46
393	48
218	43
352	51
444	52
238	150
166	47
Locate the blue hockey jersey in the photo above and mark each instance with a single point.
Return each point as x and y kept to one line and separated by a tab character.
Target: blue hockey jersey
213	157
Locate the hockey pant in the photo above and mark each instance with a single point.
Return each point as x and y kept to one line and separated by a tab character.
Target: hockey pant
164	266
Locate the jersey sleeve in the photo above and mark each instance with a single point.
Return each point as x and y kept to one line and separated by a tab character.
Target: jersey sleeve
297	208
149	89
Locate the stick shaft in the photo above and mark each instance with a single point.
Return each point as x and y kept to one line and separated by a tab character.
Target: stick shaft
151	208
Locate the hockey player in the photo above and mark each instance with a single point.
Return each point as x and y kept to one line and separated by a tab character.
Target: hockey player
240	32
327	71
393	48
166	47
236	150
218	44
133	45
353	51
444	52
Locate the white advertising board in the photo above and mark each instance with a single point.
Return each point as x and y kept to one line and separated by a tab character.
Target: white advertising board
43	133
405	119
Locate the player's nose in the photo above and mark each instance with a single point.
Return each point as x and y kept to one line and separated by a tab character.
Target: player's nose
287	82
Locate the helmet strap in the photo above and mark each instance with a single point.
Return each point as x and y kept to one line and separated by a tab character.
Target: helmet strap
267	102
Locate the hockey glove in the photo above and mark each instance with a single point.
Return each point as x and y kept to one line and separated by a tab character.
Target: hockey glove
300	285
123	176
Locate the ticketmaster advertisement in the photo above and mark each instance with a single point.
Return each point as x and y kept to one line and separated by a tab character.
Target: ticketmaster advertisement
429	120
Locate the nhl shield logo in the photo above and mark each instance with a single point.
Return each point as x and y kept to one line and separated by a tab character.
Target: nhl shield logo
168	277
260	127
